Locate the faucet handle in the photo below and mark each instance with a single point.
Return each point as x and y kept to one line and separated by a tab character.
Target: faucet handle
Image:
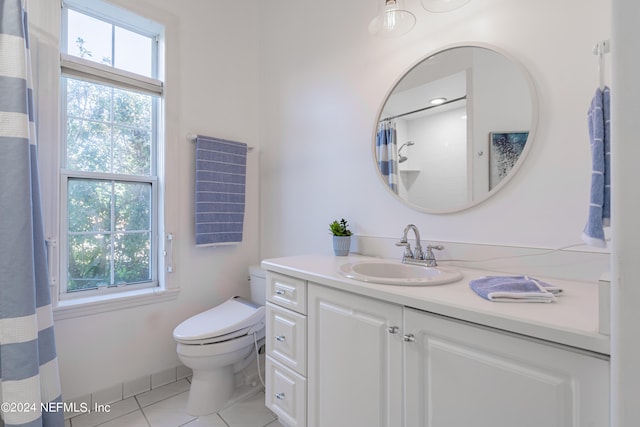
430	257
408	253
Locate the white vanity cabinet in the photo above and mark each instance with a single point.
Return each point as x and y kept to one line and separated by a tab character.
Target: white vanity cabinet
345	354
286	342
460	374
355	360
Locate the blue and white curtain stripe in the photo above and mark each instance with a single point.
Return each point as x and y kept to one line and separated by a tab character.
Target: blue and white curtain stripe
387	153
29	378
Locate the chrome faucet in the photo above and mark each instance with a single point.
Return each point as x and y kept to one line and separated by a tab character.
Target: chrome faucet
408	254
417	256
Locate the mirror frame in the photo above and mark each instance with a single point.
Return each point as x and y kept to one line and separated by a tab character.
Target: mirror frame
527	148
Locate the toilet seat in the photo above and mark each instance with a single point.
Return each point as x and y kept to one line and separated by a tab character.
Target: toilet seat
233	318
218	349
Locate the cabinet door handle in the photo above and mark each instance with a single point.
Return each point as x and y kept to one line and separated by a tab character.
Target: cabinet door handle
280	396
409	337
281	338
280	292
393	329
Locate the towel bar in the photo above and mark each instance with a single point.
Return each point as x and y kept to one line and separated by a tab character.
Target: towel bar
191	137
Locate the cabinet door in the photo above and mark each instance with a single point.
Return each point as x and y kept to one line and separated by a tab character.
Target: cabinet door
458	374
354	362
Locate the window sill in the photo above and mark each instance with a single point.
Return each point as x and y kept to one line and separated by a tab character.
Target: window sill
79	307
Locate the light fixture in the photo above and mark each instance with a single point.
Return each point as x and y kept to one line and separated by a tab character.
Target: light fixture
392	20
443	5
437	101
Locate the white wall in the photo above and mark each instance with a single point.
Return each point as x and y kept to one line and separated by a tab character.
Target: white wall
325	78
211	88
625	211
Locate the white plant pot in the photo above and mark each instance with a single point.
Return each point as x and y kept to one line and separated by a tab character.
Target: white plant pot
341	245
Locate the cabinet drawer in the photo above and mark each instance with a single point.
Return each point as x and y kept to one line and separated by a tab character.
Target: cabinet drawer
287	291
286	394
286	337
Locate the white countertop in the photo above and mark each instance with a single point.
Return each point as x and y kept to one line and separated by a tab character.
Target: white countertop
572	320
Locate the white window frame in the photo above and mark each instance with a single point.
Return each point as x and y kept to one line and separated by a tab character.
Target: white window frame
110	298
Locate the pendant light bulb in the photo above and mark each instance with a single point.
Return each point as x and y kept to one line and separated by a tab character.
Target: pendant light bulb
393	20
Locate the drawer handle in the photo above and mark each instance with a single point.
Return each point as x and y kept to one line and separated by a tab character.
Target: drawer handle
409	337
280	292
393	329
281	338
280	396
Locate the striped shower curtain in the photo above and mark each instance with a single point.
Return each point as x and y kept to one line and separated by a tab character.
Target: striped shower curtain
29	380
387	153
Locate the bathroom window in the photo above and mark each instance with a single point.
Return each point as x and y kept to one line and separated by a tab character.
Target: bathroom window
111	102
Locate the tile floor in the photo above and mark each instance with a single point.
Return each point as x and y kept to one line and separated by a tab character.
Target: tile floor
166	407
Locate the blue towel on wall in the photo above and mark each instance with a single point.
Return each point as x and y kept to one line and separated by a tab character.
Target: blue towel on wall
600	201
514	289
221	168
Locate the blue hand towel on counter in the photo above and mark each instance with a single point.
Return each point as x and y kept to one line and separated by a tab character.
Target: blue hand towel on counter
514	289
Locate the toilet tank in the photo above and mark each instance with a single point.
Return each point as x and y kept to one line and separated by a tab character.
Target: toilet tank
258	282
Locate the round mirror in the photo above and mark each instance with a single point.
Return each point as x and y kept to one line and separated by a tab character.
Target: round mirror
455	129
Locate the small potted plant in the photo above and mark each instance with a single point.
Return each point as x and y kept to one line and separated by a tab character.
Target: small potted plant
341	237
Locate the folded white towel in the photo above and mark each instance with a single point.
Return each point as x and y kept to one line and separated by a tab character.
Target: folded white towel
514	289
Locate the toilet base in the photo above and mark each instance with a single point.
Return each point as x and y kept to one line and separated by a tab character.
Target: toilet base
215	389
245	387
210	390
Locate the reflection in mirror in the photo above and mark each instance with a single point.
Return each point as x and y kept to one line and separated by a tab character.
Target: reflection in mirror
455	129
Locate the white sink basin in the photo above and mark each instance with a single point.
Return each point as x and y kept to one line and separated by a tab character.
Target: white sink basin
396	273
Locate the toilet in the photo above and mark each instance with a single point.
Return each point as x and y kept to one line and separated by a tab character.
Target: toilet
218	343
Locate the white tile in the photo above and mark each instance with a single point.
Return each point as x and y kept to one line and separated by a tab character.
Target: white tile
163	377
212	420
161	393
137	386
170	412
107	396
248	413
134	419
115	410
166	407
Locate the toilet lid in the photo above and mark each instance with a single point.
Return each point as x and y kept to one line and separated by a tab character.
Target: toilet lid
232	315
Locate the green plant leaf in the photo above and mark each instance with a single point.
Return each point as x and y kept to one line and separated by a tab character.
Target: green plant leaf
340	228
